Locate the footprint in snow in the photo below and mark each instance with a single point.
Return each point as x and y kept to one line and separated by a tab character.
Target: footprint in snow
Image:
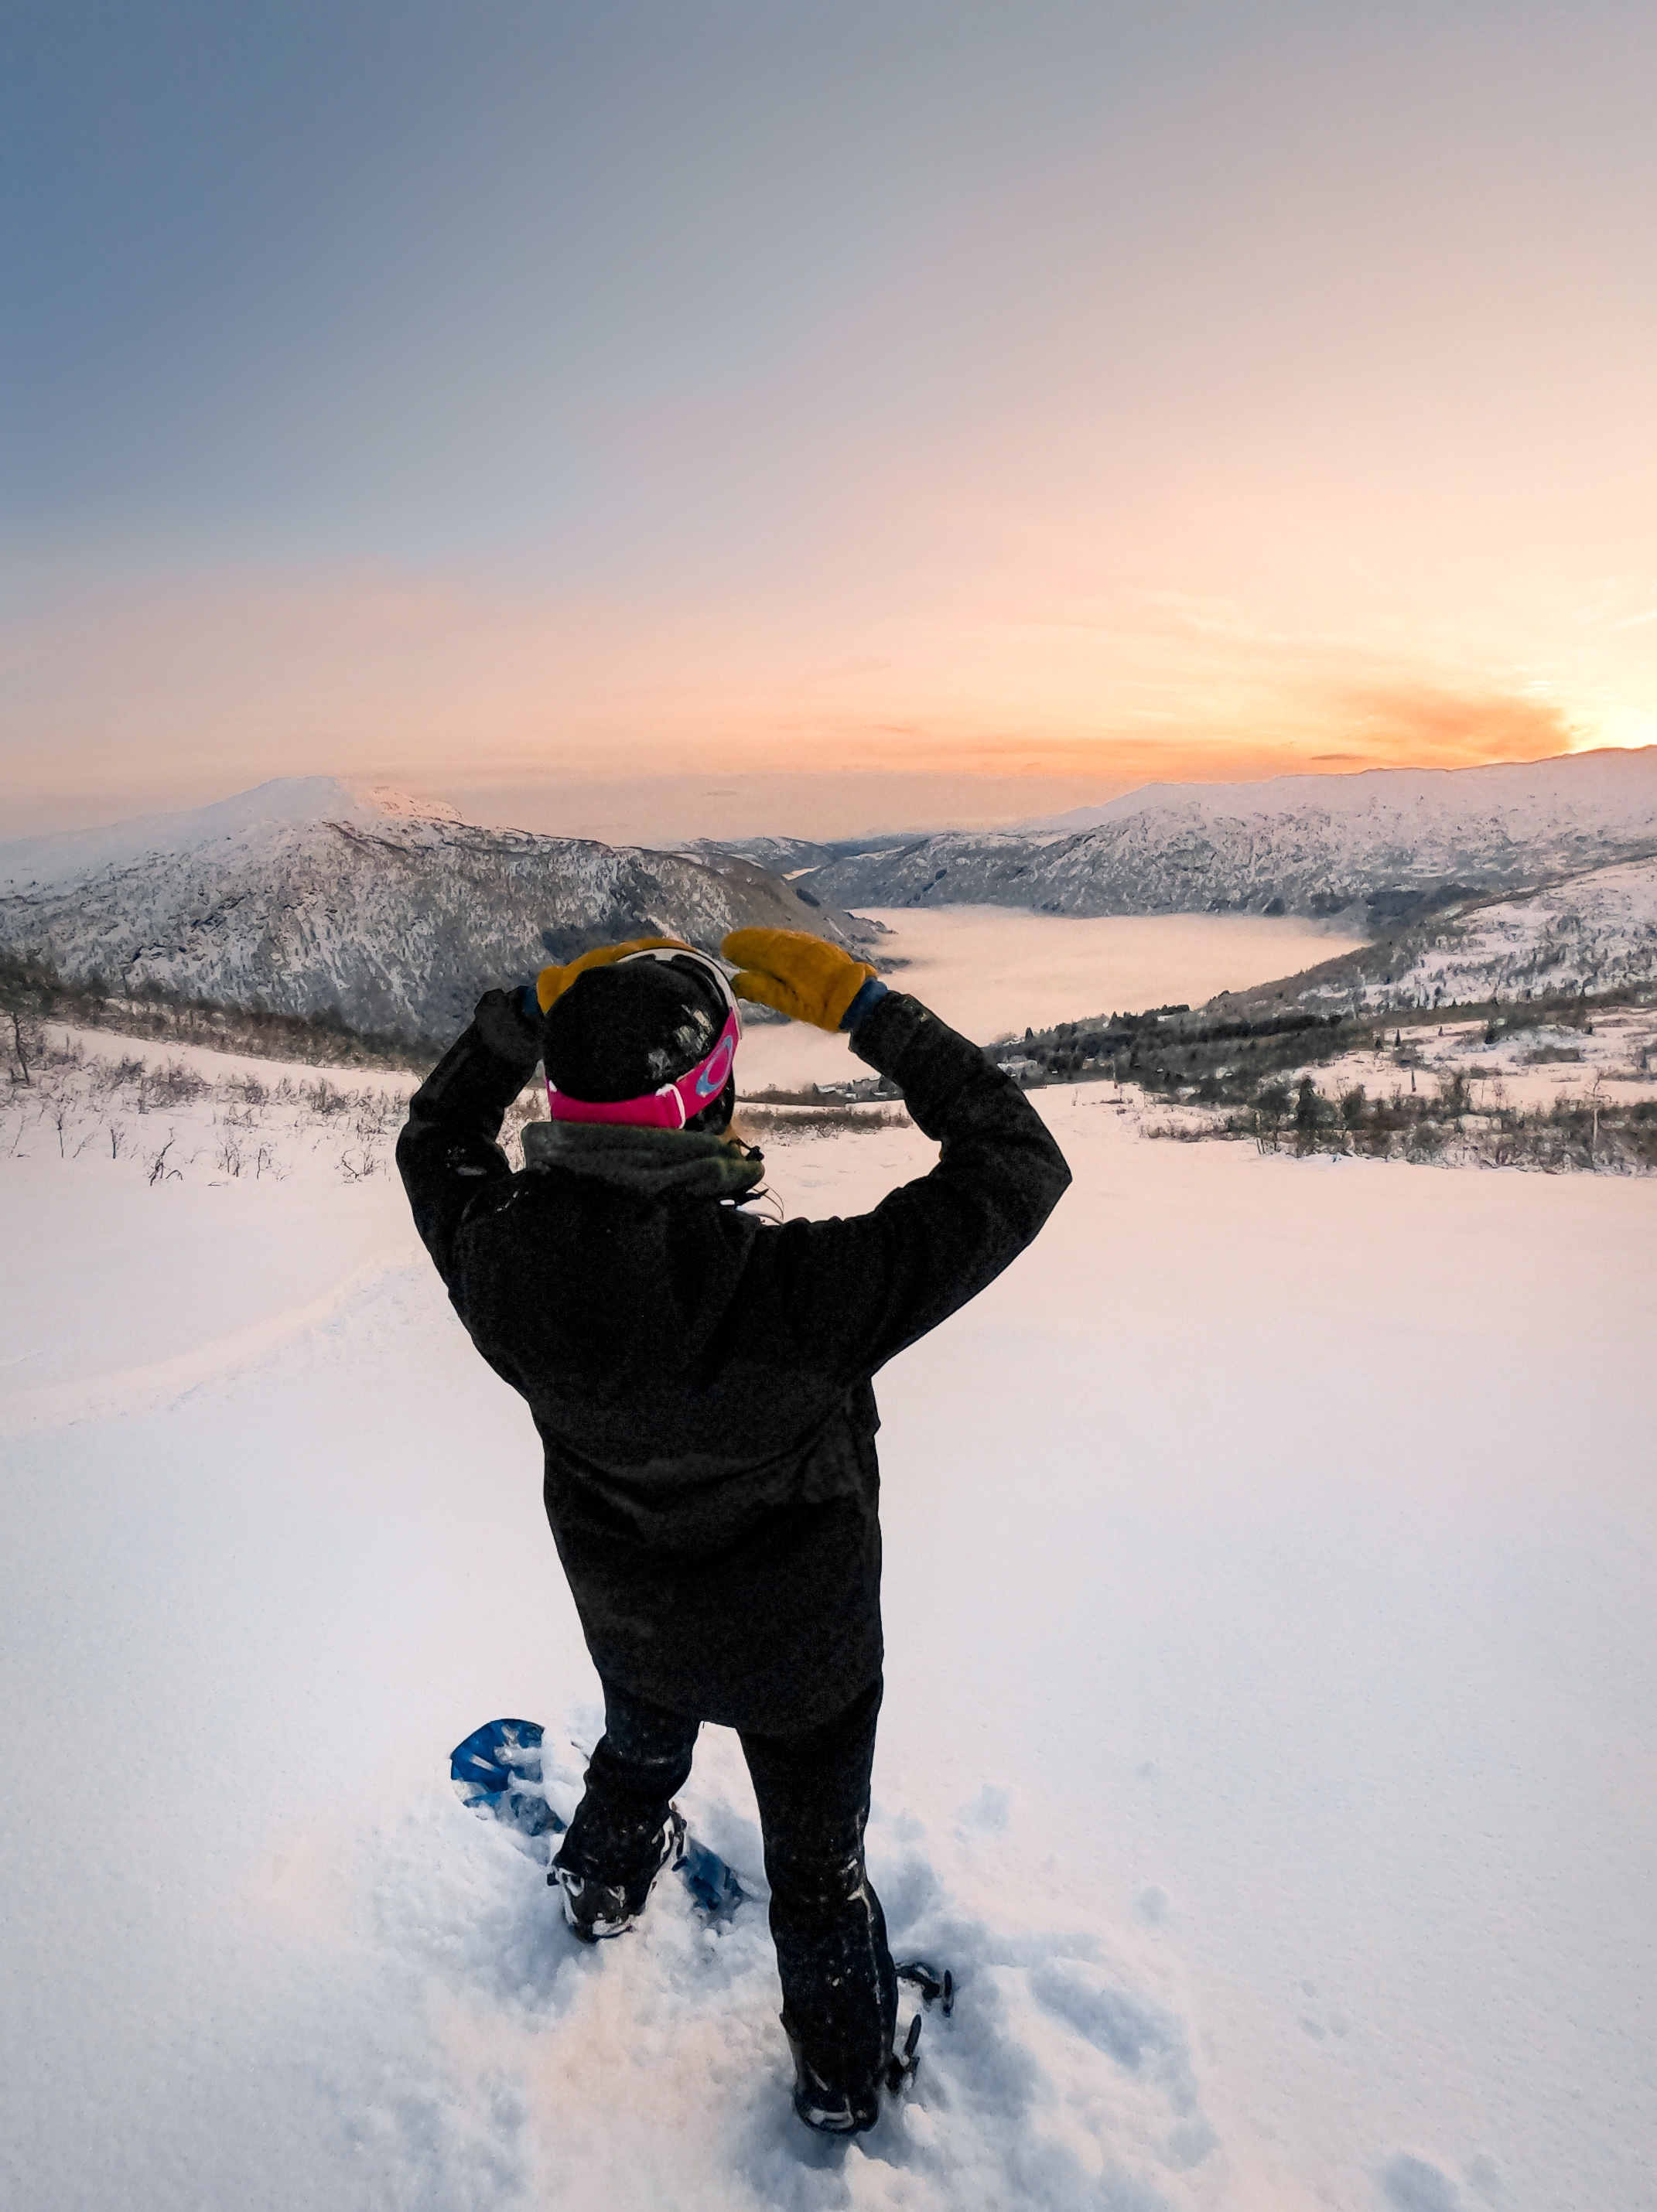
1412	2185
1064	2076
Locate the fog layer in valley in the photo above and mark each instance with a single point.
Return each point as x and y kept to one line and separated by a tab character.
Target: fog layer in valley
990	971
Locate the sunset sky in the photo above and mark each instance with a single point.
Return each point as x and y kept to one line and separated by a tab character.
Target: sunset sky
656	419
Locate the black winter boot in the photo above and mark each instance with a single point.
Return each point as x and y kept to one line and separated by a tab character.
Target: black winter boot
831	2112
598	1910
851	2111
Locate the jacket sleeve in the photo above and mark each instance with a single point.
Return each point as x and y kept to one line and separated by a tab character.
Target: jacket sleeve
850	1294
448	1153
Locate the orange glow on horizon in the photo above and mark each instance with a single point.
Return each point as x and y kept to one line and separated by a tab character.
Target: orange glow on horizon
227	681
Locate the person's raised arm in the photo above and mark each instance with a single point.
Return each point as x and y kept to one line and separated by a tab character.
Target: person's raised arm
448	1150
851	1293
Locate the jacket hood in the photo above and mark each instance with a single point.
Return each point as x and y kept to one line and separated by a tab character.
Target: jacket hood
651	1163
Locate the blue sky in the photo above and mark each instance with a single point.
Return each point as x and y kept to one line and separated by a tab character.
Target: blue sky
643	417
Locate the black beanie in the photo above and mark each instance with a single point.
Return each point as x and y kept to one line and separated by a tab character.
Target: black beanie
623	1031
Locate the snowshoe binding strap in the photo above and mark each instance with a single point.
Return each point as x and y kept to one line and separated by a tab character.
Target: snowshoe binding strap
901	2066
930	1982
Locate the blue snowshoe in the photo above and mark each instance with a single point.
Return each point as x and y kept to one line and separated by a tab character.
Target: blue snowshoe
498	1773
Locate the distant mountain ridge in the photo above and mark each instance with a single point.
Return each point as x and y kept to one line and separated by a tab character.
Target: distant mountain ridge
1604	777
310	895
39	863
1377	847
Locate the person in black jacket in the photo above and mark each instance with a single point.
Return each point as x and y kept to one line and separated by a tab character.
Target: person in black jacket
701	1382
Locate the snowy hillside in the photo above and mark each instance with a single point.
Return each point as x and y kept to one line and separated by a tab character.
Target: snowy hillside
1592	931
303	897
1267	1743
1373	848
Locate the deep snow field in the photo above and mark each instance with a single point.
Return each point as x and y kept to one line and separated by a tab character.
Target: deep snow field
1268	1742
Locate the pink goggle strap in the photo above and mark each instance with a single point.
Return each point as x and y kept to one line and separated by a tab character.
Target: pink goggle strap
671	1106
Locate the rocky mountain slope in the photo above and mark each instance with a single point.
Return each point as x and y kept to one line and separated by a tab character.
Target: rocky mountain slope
312	894
782	856
1378	848
1592	931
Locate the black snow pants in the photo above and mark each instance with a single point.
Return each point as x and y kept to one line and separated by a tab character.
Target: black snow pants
839	1992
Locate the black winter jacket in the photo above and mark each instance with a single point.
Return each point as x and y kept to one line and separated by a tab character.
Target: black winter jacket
699	1376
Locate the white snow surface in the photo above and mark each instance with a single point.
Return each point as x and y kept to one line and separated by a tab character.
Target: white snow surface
1269	1743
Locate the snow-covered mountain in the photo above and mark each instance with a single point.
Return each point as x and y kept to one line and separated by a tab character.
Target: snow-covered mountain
1377	847
1594	931
39	863
783	856
309	894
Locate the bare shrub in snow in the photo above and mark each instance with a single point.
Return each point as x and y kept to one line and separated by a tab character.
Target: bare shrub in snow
60	1111
1592	1131
816	1122
21	1044
174	1085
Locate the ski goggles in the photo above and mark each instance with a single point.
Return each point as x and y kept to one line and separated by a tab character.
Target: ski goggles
676	1102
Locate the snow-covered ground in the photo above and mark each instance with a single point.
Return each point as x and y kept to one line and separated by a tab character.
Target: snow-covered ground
1606	1064
1613	1058
1269	1743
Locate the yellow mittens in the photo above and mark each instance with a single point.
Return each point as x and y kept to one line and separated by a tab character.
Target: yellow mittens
552	982
802	976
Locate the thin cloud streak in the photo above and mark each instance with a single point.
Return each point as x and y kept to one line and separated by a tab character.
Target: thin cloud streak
405	680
